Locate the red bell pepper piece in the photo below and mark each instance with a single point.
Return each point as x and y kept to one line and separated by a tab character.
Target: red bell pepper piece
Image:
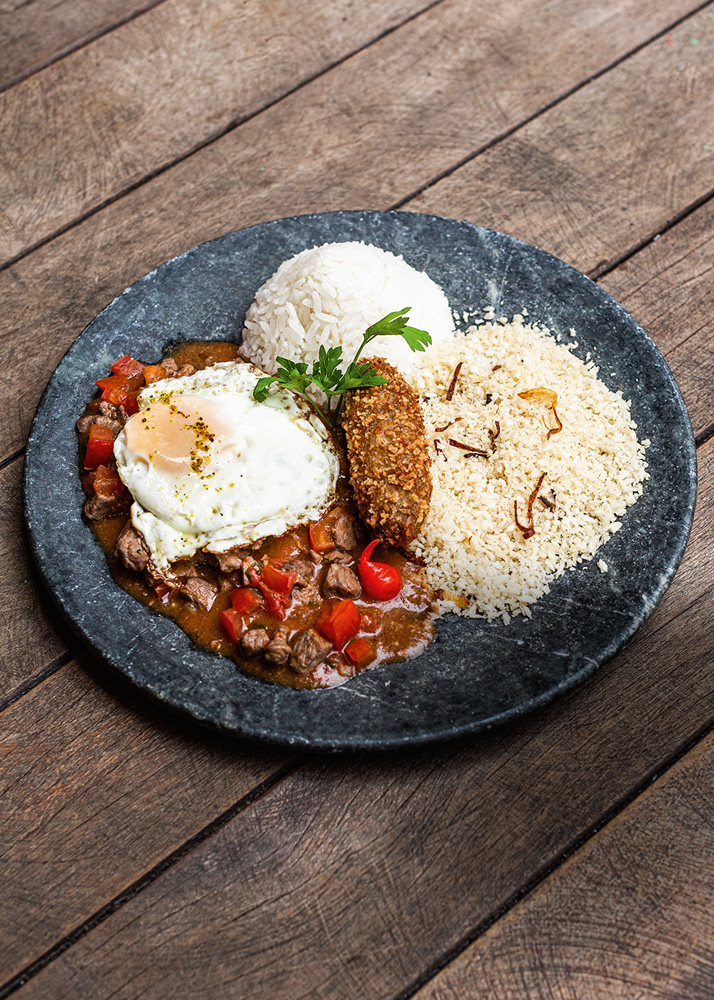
130	402
275	585
162	591
153	373
360	653
106	481
119	392
339	623
276	603
100	447
111	383
127	367
245	601
278	579
320	536
232	624
379	581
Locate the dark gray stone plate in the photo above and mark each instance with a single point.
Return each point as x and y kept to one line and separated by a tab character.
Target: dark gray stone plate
476	674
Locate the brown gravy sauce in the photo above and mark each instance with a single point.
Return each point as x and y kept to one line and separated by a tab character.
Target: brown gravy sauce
397	630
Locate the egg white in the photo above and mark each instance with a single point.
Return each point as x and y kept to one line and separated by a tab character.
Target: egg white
208	467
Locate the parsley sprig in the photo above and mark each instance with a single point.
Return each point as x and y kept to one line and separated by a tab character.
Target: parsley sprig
327	375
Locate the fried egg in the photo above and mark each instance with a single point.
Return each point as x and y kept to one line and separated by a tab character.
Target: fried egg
208	467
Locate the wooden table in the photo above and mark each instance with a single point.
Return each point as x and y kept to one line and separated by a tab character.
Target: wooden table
570	855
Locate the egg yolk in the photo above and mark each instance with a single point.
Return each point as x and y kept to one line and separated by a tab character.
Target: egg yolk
177	435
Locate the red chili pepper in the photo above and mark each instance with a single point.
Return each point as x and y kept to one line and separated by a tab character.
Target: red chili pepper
100	447
106	481
128	367
245	601
339	623
360	653
379	581
232	624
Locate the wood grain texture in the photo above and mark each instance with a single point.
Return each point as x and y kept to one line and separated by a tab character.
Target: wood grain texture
350	879
629	916
668	288
315	159
32	633
640	133
99	787
34	33
155	89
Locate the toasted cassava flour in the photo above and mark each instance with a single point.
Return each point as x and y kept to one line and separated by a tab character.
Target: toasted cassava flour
488	556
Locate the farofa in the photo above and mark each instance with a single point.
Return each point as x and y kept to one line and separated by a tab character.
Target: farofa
594	467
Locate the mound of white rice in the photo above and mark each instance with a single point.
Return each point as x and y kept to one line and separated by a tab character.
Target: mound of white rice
330	294
594	467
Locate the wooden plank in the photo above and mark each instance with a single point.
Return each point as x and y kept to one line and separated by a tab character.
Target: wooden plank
629	915
667	285
351	878
32	632
668	289
302	140
100	787
605	169
100	120
33	33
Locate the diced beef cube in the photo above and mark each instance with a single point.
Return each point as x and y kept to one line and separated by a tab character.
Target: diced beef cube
169	365
185	370
85	422
254	641
99	508
341	582
184	568
309	649
303	567
337	556
108	409
343	533
200	591
131	549
114	425
278	649
231	561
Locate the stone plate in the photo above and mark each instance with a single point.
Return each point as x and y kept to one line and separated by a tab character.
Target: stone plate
476	674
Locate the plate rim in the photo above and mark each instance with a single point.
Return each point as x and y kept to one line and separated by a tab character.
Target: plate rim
410	739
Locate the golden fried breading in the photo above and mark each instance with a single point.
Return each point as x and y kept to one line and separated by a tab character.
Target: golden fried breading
388	456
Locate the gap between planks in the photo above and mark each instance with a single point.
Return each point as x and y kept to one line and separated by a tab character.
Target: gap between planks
230	127
148	877
540	876
79	43
447	172
285	771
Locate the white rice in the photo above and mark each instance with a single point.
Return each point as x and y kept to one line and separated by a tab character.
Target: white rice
330	294
594	467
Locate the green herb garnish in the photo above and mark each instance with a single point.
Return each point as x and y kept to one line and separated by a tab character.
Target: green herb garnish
327	375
